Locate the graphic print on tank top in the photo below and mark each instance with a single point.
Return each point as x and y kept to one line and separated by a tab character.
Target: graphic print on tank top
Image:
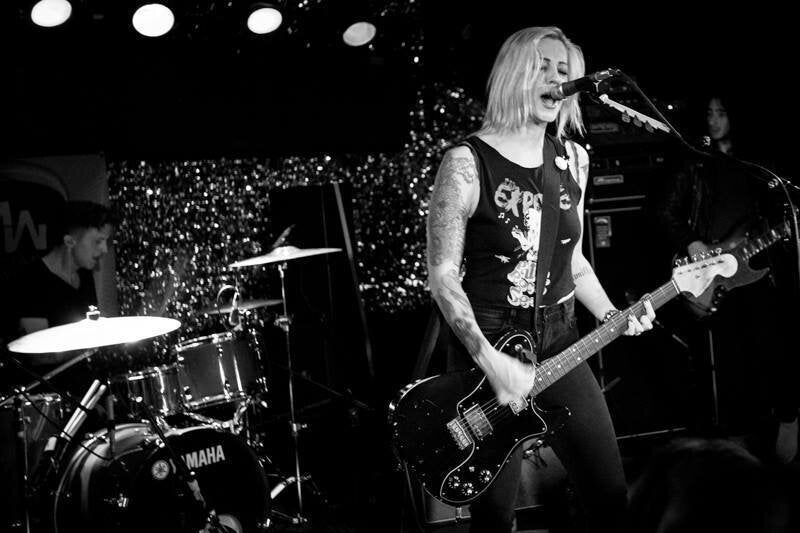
502	241
524	208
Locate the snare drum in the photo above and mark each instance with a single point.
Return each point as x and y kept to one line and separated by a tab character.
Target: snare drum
139	489
219	368
158	388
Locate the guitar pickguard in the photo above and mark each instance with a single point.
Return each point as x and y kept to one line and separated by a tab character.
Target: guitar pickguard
454	435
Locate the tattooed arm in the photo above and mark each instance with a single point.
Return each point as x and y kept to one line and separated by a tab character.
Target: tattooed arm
588	289
454	199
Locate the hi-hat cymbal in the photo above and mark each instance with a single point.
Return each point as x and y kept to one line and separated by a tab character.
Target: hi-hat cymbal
245	305
281	254
90	333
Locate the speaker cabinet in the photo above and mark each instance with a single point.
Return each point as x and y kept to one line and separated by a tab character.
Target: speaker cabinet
645	378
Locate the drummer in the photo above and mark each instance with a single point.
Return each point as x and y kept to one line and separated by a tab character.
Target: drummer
59	287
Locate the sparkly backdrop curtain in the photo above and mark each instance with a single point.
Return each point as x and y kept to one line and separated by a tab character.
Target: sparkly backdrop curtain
183	222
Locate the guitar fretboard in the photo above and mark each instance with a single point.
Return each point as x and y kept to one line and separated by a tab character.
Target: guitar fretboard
559	365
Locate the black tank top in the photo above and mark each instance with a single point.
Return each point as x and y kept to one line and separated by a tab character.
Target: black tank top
502	237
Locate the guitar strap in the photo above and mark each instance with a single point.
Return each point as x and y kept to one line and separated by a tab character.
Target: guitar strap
551	211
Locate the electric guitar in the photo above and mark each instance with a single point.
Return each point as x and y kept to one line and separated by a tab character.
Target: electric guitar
742	248
452	434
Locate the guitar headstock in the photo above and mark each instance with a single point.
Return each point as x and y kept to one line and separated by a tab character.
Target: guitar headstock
695	277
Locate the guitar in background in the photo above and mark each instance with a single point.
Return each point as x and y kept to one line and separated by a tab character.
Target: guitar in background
742	247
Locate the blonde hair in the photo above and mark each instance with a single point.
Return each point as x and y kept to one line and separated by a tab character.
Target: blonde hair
510	104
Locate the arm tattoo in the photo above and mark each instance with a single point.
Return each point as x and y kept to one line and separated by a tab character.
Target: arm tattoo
458	312
585	271
448	214
463	325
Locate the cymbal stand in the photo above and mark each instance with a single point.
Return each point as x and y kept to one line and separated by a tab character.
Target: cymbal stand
284	322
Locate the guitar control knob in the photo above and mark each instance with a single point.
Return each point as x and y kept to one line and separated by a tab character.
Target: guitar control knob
469	489
485	476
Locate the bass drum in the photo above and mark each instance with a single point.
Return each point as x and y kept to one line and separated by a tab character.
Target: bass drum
139	490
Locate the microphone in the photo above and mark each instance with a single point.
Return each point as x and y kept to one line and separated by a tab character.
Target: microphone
586	83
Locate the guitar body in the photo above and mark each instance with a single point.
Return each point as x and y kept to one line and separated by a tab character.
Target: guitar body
454	437
742	247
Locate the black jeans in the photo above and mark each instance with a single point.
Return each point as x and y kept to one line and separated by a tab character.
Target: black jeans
586	444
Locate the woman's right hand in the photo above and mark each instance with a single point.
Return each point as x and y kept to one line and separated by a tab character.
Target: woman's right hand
511	379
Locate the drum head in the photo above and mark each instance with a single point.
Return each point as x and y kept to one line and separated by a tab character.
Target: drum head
140	490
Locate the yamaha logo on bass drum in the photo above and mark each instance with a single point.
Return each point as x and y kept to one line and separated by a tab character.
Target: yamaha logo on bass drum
204	457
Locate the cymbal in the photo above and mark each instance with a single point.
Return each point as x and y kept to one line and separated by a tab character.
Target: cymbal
281	254
242	306
88	333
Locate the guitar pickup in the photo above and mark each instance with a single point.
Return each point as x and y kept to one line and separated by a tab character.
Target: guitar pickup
478	422
518	406
459	434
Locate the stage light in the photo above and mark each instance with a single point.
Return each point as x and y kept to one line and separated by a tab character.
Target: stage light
50	13
359	34
264	18
153	20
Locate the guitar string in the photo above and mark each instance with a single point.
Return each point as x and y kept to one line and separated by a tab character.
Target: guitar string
657	297
561	357
595	337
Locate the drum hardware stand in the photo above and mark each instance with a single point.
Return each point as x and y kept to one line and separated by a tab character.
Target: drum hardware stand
22	433
284	322
275	492
51	449
111	423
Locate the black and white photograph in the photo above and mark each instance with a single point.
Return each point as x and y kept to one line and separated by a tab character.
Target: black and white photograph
398	266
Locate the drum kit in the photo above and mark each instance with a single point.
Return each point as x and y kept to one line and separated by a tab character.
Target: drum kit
161	463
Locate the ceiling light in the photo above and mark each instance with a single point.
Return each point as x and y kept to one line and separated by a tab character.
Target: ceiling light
153	20
50	13
359	33
264	18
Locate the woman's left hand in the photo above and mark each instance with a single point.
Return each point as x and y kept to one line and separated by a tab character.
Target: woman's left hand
644	323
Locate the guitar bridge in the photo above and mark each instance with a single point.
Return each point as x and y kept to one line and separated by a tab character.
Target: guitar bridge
459	434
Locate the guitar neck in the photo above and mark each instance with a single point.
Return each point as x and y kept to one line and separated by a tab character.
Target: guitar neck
559	365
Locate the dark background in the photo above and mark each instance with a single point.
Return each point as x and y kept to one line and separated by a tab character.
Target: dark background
209	88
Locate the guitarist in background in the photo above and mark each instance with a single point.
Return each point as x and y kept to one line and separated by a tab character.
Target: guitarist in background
714	203
507	205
